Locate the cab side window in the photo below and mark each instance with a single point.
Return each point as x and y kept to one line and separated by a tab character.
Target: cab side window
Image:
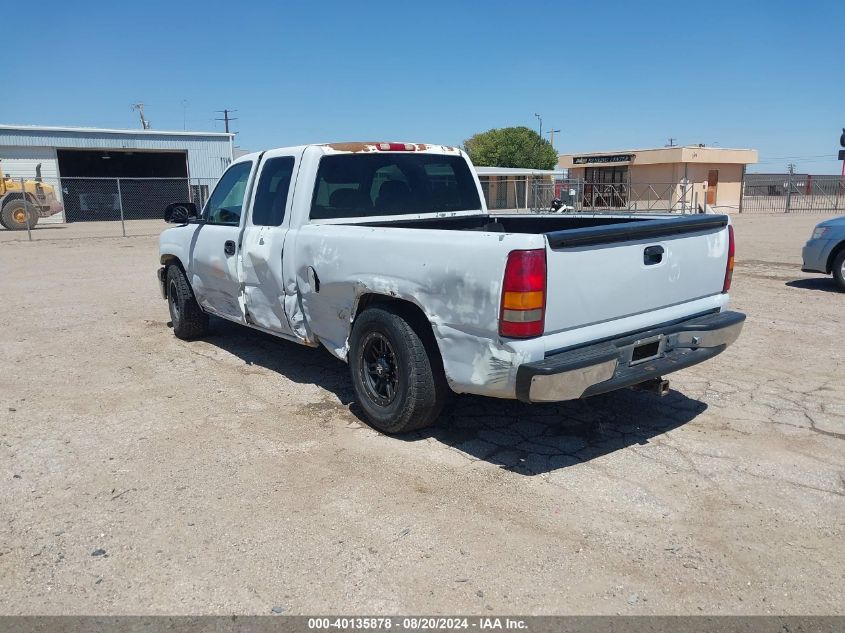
226	202
271	196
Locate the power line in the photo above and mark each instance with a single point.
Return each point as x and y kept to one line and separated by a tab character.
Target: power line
803	160
800	157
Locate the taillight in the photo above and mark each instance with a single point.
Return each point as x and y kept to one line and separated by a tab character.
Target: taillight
729	269
396	147
524	294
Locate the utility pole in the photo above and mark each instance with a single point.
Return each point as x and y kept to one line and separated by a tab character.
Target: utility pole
184	114
552	137
226	118
791	168
537	156
145	125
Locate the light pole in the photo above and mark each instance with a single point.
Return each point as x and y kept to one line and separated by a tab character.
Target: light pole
552	137
540	119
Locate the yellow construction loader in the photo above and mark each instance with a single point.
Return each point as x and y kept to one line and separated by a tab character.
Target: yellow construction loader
22	203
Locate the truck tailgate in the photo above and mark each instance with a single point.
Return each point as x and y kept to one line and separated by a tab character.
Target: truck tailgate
598	274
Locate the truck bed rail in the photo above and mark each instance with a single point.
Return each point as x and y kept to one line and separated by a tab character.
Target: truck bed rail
653	229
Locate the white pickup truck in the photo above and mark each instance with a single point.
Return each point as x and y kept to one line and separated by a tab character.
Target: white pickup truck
385	254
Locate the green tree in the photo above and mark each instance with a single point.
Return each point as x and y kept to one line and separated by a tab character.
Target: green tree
511	147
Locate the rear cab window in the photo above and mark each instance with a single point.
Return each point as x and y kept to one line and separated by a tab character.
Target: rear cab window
377	184
271	195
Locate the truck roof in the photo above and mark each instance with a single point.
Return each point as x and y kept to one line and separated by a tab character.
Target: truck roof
355	147
387	146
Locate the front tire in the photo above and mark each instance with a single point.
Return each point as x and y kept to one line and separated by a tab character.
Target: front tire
17	213
839	270
189	320
396	374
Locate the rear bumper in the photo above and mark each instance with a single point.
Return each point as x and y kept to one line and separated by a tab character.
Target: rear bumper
607	366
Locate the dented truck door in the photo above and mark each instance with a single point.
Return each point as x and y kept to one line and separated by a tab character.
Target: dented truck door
264	241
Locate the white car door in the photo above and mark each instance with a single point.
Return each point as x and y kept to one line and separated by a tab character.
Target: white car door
264	240
214	248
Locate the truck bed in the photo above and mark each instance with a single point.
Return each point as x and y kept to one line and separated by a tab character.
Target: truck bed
603	267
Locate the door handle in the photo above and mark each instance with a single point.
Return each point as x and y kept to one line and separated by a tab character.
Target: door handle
653	255
229	247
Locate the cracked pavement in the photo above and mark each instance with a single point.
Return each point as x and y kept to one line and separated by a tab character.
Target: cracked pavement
234	474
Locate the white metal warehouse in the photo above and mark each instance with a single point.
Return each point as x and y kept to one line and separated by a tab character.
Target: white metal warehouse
198	154
85	164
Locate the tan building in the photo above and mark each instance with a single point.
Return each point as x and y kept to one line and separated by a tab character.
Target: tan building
678	178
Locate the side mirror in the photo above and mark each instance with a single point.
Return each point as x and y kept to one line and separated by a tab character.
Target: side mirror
180	212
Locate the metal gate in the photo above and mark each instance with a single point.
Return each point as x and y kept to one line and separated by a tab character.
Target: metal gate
792	193
581	195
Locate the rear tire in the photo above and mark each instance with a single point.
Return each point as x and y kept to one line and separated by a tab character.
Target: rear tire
189	320
17	213
839	270
396	374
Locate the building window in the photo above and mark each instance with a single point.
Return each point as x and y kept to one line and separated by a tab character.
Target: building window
605	187
606	175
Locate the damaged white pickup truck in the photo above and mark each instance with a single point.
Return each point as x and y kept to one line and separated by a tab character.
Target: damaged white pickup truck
385	254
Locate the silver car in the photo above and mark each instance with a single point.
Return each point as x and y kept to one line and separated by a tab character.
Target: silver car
824	252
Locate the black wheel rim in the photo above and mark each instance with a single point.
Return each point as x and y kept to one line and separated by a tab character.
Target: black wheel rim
174	304
379	369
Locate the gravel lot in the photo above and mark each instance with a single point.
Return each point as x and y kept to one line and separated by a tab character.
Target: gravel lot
142	474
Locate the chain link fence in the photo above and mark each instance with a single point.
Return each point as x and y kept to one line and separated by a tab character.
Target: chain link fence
55	208
792	193
514	194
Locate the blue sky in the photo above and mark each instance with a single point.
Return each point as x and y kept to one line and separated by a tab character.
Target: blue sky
610	75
